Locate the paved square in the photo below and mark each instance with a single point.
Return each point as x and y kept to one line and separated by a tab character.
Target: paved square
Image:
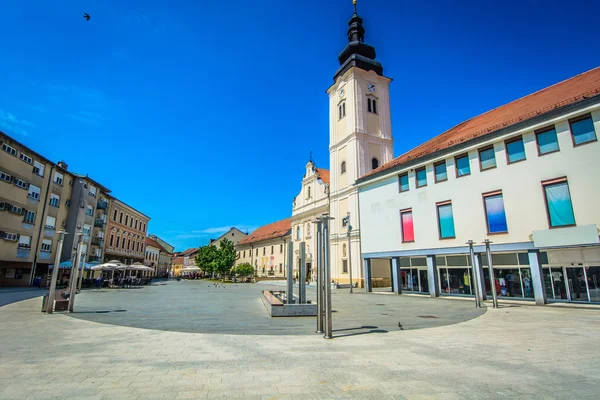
513	352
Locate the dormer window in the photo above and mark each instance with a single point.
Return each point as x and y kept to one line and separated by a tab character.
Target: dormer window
342	109
372	105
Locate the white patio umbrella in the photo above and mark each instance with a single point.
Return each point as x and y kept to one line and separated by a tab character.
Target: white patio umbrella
191	269
109	266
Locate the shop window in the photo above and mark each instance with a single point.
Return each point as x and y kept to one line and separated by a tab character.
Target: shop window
440	172
547	142
494	212
582	130
445	220
463	166
487	158
421	175
515	150
558	203
406	219
403	182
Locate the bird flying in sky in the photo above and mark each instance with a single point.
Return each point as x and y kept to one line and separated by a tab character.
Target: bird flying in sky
86	16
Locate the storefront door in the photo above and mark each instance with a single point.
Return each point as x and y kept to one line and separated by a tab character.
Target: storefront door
577	284
593	280
574	284
414	280
554	283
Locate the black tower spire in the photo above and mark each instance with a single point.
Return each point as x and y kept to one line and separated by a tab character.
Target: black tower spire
357	53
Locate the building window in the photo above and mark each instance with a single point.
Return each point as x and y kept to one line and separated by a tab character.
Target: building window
111	241
9	236
494	212
546	139
121	218
421	175
54	200
487	158
256	251
408	229
244	254
5	177
445	220
344	266
26	158
272	249
136	224
9	150
343	167
264	251
515	150
342	110
89	210
50	222
403	182
344	250
582	130
374	163
58	178
24	242
34	192
86	230
308	190
298	233
46	245
126	219
20	183
38	168
123	243
440	172
115	216
29	217
280	248
558	203
280	268
16	210
372	105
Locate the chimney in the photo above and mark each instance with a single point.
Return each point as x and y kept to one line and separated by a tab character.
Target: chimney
63	165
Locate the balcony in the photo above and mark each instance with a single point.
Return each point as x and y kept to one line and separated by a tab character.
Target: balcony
98	242
102	205
99	223
23	252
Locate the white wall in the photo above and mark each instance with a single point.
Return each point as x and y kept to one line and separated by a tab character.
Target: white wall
380	201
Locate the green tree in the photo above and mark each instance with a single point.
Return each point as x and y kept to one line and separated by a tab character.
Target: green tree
244	269
207	258
226	257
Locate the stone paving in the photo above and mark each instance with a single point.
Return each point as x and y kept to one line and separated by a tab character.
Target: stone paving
523	352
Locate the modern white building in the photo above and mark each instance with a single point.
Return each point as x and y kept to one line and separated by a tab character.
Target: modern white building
525	175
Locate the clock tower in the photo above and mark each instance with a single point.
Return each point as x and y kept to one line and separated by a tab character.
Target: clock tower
360	140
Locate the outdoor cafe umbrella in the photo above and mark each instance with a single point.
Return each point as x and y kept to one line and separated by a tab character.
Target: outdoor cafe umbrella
109	266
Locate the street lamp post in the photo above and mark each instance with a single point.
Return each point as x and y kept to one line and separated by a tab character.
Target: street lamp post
474	280
347	221
327	278
488	252
74	273
52	292
319	259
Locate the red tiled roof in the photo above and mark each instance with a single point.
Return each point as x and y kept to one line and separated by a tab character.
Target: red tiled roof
323	175
176	260
567	92
189	251
153	243
271	231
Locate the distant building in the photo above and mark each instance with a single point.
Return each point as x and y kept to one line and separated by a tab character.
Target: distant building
233	235
152	255
176	266
266	248
126	231
164	256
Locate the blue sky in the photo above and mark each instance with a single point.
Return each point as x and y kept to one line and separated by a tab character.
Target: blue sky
202	114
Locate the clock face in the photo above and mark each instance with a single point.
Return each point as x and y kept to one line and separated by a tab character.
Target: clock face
371	87
341	92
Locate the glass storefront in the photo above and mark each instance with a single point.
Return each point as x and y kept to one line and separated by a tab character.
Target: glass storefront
455	280
513	281
574	284
414	280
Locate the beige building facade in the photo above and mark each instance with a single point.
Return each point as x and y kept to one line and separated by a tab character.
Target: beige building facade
34	202
126	232
266	249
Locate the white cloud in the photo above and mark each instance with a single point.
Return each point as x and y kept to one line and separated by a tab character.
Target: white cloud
12	125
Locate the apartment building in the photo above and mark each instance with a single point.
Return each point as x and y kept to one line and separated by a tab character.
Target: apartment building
524	176
88	215
266	249
34	201
126	232
152	255
164	257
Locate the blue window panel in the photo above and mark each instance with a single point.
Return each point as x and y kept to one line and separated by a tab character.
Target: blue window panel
583	131
496	216
463	166
446	221
560	208
516	151
404	183
487	158
421	177
547	141
440	172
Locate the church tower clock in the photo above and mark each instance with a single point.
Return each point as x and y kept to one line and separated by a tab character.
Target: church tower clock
360	140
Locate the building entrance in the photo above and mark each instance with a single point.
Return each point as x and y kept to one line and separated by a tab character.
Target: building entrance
414	280
574	284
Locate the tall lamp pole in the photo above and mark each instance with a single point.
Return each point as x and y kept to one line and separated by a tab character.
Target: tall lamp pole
52	293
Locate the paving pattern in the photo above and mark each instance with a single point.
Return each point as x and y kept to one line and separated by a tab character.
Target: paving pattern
520	352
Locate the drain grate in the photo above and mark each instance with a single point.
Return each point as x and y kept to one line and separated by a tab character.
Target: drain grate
428	316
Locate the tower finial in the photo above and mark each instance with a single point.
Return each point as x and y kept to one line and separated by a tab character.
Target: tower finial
310	159
354	4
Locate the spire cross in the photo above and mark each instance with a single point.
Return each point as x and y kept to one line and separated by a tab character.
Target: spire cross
310	159
354	4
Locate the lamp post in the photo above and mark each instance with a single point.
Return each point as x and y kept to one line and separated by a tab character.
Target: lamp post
347	222
474	282
52	292
320	290
327	277
74	273
488	252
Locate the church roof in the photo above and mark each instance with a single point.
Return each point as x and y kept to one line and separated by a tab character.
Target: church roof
270	231
570	91
323	174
